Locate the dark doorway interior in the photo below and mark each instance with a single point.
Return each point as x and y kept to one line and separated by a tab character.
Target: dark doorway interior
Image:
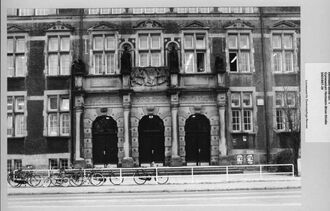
197	139
105	140
151	140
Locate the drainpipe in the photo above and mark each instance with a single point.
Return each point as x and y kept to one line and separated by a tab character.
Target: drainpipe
264	74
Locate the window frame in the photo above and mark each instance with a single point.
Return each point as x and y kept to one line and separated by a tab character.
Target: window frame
15	113
149	49
58	53
195	51
241	109
240	51
282	51
104	52
15	54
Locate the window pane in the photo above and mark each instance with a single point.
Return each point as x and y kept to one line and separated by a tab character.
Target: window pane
105	11
52	102
247	99
53	44
64	104
10	45
232	41
52	125
235	100
287	41
65	43
64	164
53	64
19	125
17	164
189	62
98	63
20	66
200	41
279	99
11	12
93	11
10	65
26	12
53	164
291	99
277	59
244	42
245	61
188	41
10	104
20	45
9	166
236	120
200	62
233	61
98	43
9	125
117	10
288	61
247	121
143	42
65	124
193	10
110	63
110	42
279	119
155	59
149	10
277	41
20	104
155	42
65	64
143	58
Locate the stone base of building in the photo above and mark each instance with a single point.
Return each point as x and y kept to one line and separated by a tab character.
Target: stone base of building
176	161
127	162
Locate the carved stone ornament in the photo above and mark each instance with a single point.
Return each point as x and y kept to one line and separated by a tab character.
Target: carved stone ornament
59	27
239	24
149	76
149	24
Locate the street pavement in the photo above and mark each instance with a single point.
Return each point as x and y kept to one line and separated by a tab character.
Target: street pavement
176	184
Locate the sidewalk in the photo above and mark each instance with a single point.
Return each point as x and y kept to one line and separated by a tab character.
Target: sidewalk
175	184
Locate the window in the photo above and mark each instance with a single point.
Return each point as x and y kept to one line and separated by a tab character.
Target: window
58	118
239	52
17	164
26	12
45	11
283	53
241	112
194	52
11	12
53	164
149	48
16	123
59	59
9	165
16	59
286	110
64	164
104	54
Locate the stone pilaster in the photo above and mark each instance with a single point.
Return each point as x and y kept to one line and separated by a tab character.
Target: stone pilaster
221	99
79	102
175	159
127	160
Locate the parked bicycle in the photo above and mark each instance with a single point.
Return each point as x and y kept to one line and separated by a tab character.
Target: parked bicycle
19	177
59	178
141	176
81	177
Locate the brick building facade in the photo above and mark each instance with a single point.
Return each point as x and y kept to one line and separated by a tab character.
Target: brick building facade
128	86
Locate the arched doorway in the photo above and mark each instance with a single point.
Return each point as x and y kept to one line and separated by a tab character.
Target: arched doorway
197	139
151	139
105	140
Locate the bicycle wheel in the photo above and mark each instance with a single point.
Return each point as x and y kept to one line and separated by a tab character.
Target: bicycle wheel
46	182
140	177
162	179
97	179
11	181
115	180
65	181
77	179
34	180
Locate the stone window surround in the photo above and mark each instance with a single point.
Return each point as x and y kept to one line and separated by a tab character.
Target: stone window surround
16	94
26	38
294	47
283	89
251	50
254	109
56	34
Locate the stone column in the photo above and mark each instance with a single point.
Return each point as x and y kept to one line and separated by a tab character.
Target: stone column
175	159
79	111
221	98
126	132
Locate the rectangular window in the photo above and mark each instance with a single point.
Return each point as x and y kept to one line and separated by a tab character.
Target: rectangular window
143	41
245	62
9	165
286	110
93	11
110	43
117	10
150	50
53	164
279	119
110	63
26	12
239	52
58	116
17	164
195	52
64	163
155	59
242	111
98	64
233	61
59	59
244	41
143	58
16	121
155	41
105	11
283	53
16	59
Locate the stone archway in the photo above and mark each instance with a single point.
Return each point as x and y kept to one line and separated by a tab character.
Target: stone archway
105	140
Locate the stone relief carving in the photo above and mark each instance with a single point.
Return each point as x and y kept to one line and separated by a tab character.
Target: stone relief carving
149	76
